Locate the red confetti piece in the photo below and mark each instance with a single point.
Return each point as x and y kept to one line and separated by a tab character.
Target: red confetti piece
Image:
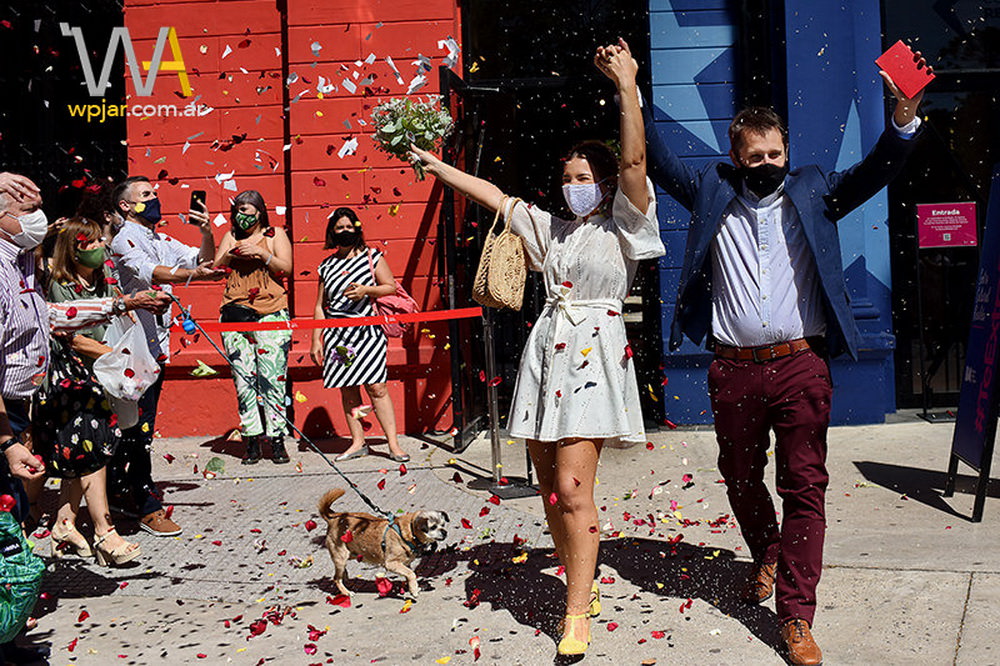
466	524
216	543
347	537
657	634
169	511
309	648
567	284
484	511
384	585
576	481
71	312
494	500
649	446
670	424
687	478
83	616
482	375
310	525
381	484
72	644
612	313
257	627
341	600
319	182
202	655
495	382
628	351
457	478
612	626
123	585
402	469
553	498
560	346
169	458
607	580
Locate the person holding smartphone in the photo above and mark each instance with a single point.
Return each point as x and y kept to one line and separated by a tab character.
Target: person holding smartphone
145	257
259	256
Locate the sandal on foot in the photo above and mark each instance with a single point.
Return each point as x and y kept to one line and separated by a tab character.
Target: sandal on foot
65	532
595	600
570	644
363	451
125	552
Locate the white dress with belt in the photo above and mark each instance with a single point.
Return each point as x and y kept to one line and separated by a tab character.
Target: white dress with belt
577	377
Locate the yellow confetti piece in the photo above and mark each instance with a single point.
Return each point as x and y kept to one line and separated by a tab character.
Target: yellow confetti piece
139	207
406	609
300	396
586	351
88	445
145	427
443	660
452	461
394	210
203	370
659	586
319	114
473	68
520	559
199	536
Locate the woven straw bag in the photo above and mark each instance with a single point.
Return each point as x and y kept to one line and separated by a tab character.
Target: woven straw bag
501	274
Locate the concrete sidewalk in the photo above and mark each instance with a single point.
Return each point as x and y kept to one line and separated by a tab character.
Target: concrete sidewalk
908	579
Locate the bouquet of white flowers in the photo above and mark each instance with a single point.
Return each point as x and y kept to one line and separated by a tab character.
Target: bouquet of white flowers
402	121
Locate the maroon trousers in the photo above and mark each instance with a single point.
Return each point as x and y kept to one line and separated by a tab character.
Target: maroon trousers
790	395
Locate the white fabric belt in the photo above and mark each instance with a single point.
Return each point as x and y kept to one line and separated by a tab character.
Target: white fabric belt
571	309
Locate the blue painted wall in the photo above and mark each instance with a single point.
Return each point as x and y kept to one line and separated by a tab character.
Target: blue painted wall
836	113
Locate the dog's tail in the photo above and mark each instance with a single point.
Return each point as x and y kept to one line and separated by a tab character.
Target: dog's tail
326	500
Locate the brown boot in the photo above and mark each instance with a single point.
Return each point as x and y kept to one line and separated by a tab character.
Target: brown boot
760	587
800	648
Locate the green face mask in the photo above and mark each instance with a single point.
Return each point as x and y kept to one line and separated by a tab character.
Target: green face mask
244	220
91	258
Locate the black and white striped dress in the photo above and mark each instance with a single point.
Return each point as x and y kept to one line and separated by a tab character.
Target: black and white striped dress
366	345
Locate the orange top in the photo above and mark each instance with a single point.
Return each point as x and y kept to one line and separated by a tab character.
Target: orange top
252	285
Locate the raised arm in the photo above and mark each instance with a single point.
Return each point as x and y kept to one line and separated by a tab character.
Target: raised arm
616	62
481	191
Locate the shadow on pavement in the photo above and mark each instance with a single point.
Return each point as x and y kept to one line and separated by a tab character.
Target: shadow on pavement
682	571
712	575
923	485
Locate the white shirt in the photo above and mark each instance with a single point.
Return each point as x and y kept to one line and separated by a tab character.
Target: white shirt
137	251
765	288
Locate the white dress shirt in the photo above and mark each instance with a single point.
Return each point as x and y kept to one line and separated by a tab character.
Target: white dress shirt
137	251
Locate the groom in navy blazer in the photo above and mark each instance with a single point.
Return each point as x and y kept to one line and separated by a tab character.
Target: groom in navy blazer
763	284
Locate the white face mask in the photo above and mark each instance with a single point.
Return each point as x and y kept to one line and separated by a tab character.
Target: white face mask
34	227
582	198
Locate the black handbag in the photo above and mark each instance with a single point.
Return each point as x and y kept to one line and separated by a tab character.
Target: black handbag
236	313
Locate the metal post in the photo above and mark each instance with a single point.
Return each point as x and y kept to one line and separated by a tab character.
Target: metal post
491	396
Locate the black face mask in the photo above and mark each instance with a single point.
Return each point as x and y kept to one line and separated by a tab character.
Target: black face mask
764	179
346	238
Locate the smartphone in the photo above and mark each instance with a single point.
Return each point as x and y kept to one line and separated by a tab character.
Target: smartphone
197	202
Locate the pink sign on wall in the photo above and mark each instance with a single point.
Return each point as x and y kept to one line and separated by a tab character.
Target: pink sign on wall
947	224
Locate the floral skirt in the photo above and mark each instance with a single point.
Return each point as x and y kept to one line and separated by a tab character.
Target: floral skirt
74	430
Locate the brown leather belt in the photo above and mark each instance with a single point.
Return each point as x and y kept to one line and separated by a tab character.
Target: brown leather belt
761	354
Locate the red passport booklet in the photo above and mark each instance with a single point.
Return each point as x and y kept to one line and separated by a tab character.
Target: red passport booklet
898	63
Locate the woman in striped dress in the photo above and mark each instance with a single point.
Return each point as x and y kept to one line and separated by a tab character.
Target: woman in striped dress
354	356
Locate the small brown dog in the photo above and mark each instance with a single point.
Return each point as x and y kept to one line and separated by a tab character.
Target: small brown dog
375	541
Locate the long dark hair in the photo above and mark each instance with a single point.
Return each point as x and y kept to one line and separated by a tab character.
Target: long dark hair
254	198
331	221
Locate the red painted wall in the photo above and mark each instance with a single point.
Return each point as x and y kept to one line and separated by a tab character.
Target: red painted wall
231	51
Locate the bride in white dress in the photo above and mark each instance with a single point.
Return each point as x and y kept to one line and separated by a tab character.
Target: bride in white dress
576	387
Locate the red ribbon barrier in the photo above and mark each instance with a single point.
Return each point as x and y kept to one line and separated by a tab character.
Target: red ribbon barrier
344	322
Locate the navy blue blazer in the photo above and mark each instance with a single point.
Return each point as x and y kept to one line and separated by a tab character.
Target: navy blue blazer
821	199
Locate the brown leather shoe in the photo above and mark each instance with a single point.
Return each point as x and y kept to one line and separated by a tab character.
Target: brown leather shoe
800	648
158	524
761	586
